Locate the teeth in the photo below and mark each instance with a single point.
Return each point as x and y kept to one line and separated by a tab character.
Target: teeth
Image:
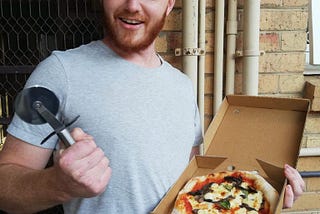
130	21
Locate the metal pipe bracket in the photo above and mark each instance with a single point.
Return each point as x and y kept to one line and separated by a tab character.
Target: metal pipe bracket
189	52
249	53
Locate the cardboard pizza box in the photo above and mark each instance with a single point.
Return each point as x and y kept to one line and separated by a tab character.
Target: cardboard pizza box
312	92
251	133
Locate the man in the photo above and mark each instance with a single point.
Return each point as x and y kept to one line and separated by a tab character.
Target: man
137	116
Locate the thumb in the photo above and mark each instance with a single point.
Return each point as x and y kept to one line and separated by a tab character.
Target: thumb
288	197
78	134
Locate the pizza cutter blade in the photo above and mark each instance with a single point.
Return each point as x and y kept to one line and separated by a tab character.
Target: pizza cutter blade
38	105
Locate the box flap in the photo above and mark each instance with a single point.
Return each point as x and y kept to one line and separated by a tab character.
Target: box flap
248	133
311	90
251	128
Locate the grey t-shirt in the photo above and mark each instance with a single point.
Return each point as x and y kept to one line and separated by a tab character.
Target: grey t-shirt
145	119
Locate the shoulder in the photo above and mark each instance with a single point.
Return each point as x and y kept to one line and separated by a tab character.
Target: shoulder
176	72
92	49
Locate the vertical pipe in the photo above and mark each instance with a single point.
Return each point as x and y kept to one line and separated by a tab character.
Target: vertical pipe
218	54
190	40
201	66
251	50
202	46
231	32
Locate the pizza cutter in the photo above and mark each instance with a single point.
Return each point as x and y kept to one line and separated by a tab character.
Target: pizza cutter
38	105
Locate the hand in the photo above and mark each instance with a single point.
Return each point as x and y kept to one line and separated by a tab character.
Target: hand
295	187
82	169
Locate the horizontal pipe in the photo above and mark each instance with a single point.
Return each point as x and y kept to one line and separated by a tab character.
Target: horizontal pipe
310	174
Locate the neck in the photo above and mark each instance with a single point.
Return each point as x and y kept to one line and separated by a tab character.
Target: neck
146	58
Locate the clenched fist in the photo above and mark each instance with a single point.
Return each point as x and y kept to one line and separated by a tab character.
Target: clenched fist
82	169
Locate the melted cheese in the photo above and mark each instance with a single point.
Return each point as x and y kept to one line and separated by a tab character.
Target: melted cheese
235	196
254	200
218	192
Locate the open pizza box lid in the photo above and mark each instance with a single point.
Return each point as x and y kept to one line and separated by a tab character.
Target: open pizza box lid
252	133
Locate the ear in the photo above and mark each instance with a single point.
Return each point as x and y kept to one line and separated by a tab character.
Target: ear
170	6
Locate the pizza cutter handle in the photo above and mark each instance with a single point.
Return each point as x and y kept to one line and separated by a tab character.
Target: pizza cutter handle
58	127
65	137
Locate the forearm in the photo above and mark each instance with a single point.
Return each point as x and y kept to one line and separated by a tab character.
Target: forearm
24	190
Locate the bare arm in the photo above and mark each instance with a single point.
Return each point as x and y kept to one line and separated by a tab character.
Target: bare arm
23	180
194	151
82	170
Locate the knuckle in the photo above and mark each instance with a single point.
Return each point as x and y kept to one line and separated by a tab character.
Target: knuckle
99	151
94	186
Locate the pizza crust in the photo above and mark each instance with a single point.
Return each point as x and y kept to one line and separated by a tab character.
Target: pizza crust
269	193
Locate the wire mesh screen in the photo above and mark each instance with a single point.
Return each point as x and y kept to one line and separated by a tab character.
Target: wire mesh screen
30	31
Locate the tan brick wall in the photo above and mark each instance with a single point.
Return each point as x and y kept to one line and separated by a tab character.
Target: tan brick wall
283	25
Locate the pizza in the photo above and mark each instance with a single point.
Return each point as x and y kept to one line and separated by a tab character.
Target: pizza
227	192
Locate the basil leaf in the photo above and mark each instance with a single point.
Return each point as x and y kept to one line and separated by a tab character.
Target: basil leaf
228	187
245	192
225	204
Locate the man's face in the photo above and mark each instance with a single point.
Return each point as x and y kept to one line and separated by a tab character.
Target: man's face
133	25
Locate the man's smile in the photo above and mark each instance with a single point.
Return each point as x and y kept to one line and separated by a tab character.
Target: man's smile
131	21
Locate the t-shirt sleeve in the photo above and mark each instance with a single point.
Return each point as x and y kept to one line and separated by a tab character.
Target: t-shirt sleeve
49	74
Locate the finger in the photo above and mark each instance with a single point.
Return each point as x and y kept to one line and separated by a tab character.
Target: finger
97	178
72	157
296	181
57	154
59	149
88	162
288	197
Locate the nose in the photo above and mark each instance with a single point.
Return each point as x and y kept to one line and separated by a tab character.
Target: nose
133	5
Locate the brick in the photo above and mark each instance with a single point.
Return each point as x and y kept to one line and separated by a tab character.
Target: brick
178	4
295	3
312	125
280	20
265	3
174	40
208	84
280	3
292	83
270	3
293	41
238	83
161	42
312	184
173	21
282	62
209	3
308	164
209	63
309	201
268	84
304	141
270	42
208	105
315	104
209	42
313	141
209	20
